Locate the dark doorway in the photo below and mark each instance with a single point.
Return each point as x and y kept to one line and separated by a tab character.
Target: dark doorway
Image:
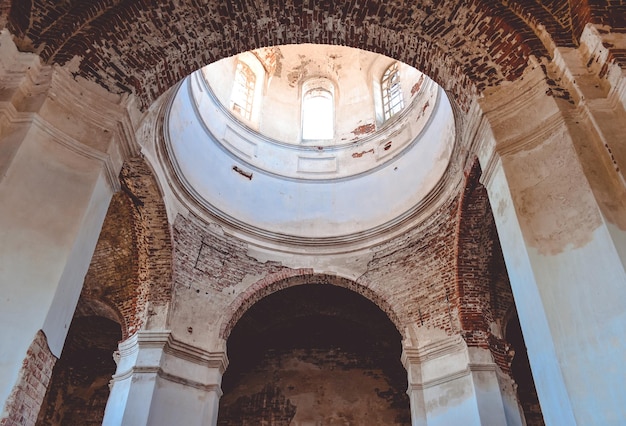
314	354
79	387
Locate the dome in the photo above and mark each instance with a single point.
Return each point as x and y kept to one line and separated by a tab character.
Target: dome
310	145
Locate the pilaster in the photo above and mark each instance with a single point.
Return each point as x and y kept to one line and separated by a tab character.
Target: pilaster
62	144
450	383
162	381
558	206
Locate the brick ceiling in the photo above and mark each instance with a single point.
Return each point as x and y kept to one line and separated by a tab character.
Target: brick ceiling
145	47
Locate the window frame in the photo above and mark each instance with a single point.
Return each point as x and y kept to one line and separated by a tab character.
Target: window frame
318	88
391	91
244	85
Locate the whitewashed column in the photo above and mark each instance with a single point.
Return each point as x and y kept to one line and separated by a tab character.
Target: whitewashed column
558	205
62	144
452	384
161	381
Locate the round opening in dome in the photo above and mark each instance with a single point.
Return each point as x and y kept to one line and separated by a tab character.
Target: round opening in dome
310	143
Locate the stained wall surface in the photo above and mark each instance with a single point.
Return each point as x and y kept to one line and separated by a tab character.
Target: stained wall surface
537	89
314	354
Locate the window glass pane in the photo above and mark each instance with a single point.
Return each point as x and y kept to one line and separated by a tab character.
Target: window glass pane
392	92
243	91
317	115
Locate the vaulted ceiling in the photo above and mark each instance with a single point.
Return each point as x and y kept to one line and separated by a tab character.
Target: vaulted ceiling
145	47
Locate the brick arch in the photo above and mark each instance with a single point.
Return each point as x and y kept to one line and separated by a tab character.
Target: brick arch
112	274
133	46
131	269
292	277
483	292
88	307
153	238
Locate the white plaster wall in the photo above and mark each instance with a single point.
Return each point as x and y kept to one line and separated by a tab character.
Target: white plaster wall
307	208
540	346
452	403
315	160
353	73
48	194
178	404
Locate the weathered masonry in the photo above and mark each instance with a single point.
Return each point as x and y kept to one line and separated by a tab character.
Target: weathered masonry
312	213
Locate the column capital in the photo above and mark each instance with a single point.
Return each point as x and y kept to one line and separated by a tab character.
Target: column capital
161	353
432	350
161	380
97	107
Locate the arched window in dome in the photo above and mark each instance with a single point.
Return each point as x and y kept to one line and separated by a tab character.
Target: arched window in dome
242	98
318	110
393	101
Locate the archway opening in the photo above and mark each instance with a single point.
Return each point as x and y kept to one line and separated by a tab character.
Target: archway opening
79	387
314	354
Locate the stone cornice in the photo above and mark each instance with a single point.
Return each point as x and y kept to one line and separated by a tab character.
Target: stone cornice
471	367
439	381
90	105
491	166
164	339
433	350
195	355
12	117
445	188
453	345
498	129
86	151
96	107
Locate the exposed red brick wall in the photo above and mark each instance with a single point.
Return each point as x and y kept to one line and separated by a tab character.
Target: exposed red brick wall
132	264
416	273
23	404
205	261
151	226
112	277
411	278
483	289
137	46
604	12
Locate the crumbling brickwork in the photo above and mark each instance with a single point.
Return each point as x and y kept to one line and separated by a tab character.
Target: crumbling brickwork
411	278
416	272
479	43
485	298
23	404
151	226
206	261
112	274
483	289
131	267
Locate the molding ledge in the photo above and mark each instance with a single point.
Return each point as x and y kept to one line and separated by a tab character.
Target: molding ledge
163	340
434	350
470	368
96	107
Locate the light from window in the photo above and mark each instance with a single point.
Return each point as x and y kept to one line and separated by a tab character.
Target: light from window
392	92
243	91
317	114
